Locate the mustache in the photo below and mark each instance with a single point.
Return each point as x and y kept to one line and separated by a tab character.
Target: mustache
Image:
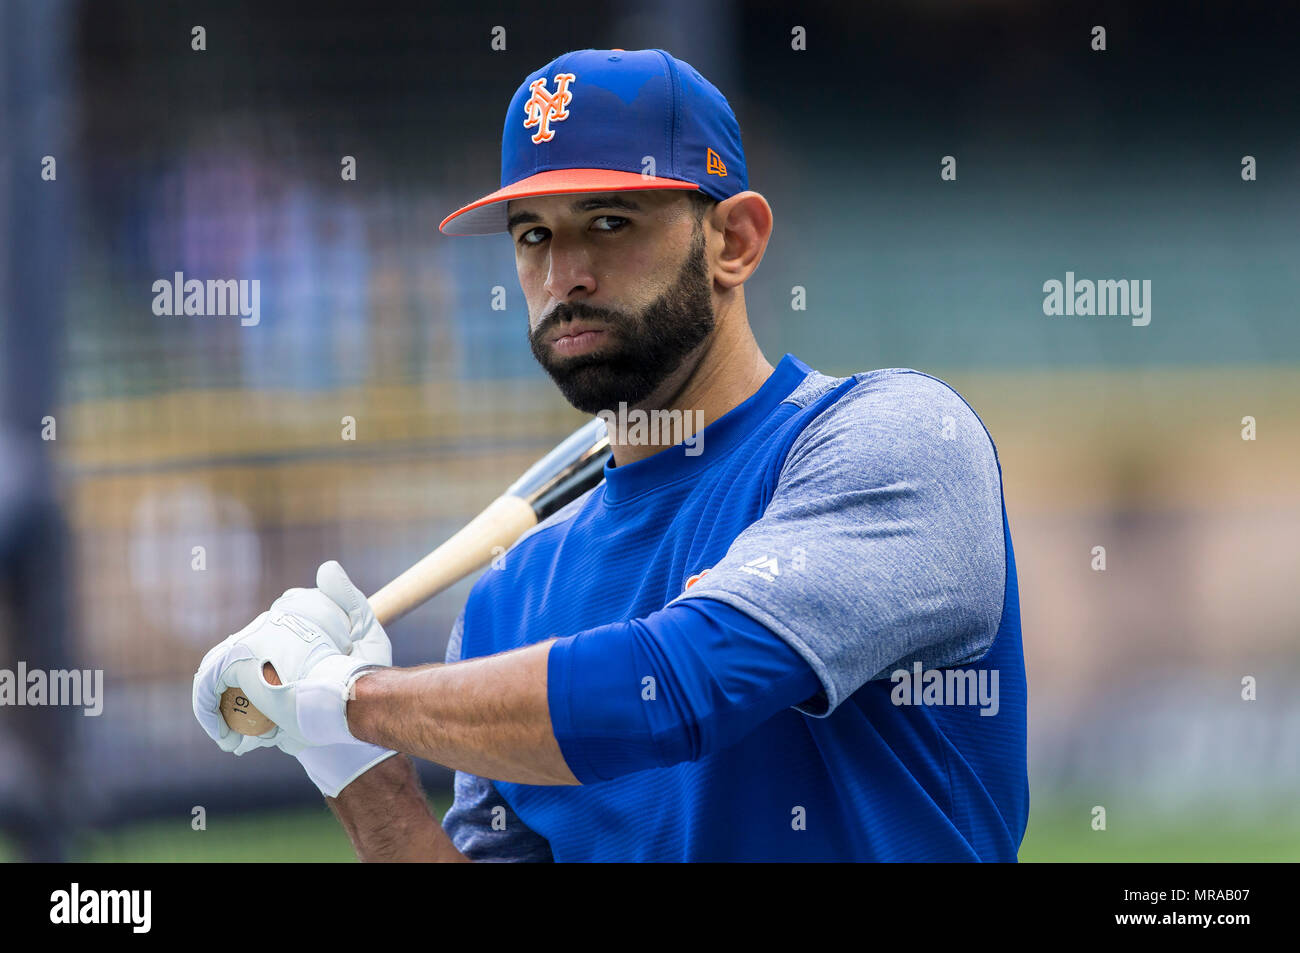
565	313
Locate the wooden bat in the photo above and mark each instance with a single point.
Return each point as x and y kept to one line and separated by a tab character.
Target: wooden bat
571	469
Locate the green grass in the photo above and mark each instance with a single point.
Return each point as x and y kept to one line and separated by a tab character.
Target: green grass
306	835
312	835
1053	835
1220	836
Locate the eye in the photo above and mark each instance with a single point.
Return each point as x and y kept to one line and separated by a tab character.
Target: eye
538	236
616	221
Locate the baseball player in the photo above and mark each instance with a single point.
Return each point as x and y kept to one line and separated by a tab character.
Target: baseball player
792	634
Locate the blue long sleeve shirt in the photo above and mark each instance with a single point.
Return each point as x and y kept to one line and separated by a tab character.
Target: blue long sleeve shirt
800	643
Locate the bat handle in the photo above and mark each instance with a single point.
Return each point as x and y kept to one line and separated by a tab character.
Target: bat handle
241	714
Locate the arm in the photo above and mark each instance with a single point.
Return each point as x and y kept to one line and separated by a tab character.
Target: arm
883	539
387	818
487	716
894	522
671	687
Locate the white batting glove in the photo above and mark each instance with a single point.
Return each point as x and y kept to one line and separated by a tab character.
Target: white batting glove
238	660
333	767
304	636
365	636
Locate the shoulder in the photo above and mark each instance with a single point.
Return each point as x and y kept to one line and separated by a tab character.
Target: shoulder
894	430
896	394
895	414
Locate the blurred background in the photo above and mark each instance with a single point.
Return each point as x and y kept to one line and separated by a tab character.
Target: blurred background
171	433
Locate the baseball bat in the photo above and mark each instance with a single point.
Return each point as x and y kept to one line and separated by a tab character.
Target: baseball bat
565	473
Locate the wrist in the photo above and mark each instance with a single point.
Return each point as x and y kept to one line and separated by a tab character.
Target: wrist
322	700
334	768
359	706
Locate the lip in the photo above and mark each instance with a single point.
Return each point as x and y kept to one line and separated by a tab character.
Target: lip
573	329
579	341
577	337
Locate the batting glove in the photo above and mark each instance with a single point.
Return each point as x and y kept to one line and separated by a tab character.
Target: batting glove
304	636
333	767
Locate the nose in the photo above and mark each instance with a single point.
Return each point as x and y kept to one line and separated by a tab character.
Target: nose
570	273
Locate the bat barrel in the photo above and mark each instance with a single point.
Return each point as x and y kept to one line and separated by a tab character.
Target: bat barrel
576	465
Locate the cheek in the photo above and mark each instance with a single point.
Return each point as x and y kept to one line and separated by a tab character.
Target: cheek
531	282
527	271
665	263
636	277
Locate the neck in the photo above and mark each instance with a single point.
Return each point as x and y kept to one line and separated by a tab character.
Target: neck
725	372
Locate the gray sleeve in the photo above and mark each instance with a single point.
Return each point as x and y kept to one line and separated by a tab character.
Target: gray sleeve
480	823
882	544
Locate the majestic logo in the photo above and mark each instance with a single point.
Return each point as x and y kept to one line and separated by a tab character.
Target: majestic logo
715	165
765	567
545	107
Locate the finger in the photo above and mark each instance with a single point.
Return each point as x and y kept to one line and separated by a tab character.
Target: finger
292	593
320	612
209	683
334	582
213	725
249	743
241	671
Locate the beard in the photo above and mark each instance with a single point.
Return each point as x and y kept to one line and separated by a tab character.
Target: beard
644	350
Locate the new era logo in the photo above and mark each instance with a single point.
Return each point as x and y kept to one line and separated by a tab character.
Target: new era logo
714	164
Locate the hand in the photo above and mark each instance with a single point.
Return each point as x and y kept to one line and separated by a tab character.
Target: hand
304	637
365	636
333	767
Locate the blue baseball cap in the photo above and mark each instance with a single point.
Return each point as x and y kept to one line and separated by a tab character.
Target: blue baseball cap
607	121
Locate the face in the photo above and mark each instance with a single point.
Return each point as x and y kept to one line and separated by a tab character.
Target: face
618	289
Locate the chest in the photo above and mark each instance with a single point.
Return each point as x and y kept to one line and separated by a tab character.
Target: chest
610	563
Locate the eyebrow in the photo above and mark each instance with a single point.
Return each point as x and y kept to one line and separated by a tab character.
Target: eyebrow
578	206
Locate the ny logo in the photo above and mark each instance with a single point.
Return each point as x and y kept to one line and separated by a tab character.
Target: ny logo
544	107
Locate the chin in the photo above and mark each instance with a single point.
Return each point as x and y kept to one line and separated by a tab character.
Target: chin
593	389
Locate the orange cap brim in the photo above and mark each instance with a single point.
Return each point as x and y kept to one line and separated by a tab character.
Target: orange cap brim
487	216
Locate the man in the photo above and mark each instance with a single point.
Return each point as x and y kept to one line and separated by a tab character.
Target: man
728	650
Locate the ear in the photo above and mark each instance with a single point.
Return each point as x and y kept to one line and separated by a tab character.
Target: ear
745	222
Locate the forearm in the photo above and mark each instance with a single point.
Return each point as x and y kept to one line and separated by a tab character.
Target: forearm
675	686
387	818
486	716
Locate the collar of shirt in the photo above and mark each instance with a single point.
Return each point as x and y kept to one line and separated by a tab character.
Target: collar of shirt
715	441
